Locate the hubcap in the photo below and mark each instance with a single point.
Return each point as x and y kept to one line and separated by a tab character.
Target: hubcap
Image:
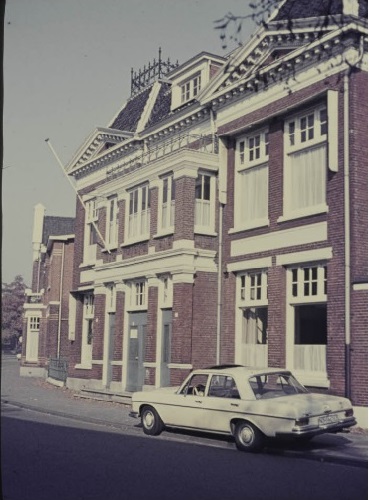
247	435
149	419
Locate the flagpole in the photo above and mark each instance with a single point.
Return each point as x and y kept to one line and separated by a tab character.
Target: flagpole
75	190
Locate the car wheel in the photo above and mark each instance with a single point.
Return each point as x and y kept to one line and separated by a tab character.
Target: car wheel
151	422
248	437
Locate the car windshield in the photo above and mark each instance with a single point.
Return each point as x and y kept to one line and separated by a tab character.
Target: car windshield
275	385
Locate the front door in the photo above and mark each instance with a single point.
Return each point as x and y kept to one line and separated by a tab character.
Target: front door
166	347
137	333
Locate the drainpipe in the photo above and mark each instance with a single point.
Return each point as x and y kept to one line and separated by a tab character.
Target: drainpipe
60	300
219	301
346	145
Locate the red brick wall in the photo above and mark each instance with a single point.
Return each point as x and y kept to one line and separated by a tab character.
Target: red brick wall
185	208
359	347
204	319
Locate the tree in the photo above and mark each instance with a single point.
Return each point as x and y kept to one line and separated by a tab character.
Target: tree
12	300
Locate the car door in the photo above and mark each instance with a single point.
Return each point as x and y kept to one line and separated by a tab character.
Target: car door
187	408
222	402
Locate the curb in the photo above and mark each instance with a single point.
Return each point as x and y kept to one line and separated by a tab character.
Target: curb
270	451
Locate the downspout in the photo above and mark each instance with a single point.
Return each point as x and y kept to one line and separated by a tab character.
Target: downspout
219	301
346	145
60	300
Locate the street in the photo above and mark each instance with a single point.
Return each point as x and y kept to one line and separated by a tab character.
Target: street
50	457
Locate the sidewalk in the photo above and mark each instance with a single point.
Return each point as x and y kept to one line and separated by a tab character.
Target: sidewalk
39	395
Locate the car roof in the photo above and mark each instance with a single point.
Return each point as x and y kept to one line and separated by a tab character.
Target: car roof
237	370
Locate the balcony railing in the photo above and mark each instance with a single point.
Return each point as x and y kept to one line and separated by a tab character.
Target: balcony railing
34	298
201	143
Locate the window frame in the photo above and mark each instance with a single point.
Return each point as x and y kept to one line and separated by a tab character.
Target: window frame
199	227
112	222
170	204
136	200
251	158
296	140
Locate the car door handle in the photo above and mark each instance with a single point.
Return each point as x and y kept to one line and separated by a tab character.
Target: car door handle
235	404
198	401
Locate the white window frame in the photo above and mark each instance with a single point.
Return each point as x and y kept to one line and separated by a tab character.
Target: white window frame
190	88
138	295
205	209
111	294
88	319
138	222
252	156
166	209
305	133
91	219
248	285
300	292
166	292
112	212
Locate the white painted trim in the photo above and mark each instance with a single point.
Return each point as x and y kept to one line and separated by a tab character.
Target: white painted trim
245	265
149	364
311	233
307	256
360	286
184	366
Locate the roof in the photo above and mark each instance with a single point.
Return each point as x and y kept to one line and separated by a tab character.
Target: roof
302	9
237	370
57	226
130	115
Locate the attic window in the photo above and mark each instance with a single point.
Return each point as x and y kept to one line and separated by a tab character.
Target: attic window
190	88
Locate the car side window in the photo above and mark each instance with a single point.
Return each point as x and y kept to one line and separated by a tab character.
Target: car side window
196	385
223	386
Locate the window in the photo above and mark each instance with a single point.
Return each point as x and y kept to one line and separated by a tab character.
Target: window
190	88
139	213
307	318
204	202
196	385
87	329
110	298
167	203
166	292
138	295
251	200
253	288
34	323
223	386
112	222
306	162
91	217
253	301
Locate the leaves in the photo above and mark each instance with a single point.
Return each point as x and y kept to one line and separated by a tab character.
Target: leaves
12	300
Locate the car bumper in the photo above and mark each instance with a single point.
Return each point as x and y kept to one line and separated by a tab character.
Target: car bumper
314	430
133	414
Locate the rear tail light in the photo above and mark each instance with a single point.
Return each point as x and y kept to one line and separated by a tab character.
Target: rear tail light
300	422
349	413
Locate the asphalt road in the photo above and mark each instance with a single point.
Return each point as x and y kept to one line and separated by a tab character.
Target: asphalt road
45	457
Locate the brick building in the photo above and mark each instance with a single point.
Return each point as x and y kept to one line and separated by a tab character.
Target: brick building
223	214
46	310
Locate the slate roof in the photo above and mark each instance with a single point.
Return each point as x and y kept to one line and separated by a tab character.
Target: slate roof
57	226
300	9
128	118
162	104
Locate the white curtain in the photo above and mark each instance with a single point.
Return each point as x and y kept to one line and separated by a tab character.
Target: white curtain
253	194
307	175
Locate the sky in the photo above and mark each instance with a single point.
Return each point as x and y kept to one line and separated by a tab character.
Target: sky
67	69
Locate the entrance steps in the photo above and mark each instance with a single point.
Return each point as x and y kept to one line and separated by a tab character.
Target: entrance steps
105	395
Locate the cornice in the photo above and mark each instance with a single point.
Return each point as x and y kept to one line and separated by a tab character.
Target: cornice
248	82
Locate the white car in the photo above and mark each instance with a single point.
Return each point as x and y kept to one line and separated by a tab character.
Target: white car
247	403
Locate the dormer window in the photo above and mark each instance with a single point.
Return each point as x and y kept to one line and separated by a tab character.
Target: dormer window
190	88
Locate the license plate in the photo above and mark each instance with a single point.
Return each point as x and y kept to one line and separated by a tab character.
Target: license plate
328	419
